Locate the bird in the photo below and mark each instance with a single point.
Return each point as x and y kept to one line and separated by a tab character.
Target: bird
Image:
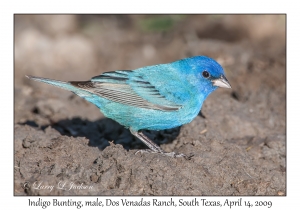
155	97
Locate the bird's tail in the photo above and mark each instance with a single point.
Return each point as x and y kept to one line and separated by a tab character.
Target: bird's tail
61	84
57	83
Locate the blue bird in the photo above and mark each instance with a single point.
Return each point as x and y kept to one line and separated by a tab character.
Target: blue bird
154	97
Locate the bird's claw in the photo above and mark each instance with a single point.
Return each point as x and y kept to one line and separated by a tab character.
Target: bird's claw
175	155
144	151
169	154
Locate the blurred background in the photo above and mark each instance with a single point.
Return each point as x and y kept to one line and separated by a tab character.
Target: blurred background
80	46
241	129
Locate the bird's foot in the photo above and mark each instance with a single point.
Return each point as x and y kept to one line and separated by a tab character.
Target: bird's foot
173	154
169	154
154	148
145	151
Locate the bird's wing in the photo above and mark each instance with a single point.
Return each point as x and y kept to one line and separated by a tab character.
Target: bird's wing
127	88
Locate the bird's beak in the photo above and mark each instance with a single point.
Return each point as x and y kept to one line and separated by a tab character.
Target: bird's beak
221	82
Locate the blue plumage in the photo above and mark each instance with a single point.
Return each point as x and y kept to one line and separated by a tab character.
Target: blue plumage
153	97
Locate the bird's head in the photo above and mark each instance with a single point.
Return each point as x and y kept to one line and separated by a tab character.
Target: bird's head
210	74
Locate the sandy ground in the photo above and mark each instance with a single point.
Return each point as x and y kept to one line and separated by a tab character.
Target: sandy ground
238	141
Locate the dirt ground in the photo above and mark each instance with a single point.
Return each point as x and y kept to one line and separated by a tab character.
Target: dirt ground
238	141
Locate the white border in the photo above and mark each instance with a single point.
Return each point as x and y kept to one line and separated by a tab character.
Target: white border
8	8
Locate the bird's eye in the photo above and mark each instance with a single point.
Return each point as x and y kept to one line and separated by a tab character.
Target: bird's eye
205	74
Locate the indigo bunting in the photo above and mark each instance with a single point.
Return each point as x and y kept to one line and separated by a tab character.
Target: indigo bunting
153	97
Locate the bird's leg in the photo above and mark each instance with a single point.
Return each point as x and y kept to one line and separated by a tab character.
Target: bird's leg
154	148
